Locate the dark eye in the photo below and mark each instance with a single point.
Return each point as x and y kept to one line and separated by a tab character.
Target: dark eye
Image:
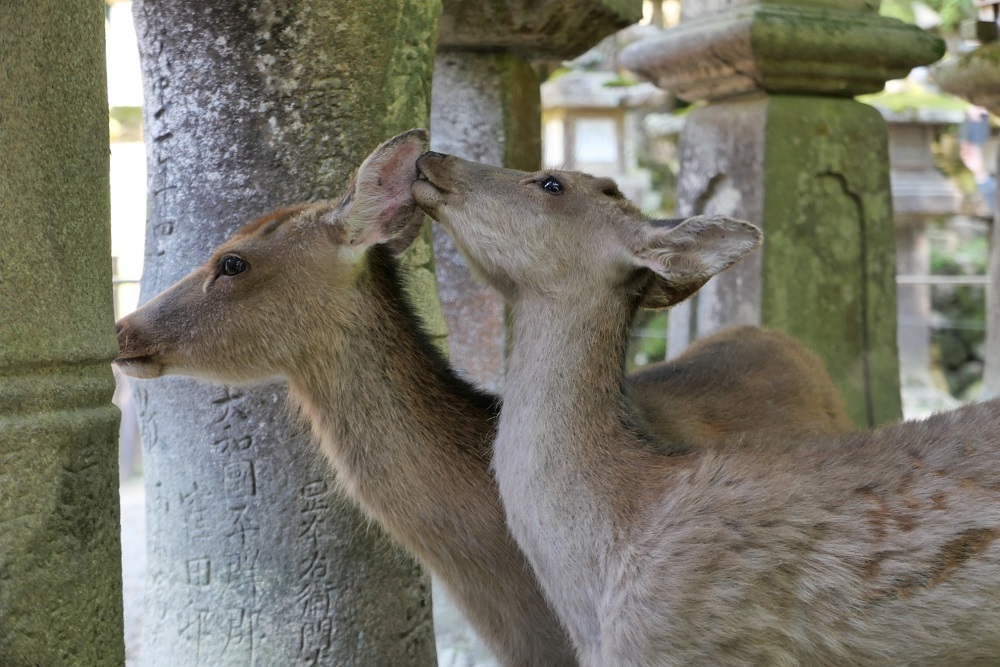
232	265
551	185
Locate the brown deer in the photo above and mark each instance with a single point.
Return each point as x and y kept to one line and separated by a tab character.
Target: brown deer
314	293
877	548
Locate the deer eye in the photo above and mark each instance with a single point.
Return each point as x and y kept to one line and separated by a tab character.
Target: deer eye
232	265
551	185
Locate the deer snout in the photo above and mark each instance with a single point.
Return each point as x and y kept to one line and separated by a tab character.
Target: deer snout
433	186
137	356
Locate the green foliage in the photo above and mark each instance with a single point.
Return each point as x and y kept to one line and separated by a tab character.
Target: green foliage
961	309
621	81
649	339
952	12
914	99
125	123
558	72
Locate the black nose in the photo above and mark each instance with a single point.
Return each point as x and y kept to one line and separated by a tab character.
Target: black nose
435	154
118	327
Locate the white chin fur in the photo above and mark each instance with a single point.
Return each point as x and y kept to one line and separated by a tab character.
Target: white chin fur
139	368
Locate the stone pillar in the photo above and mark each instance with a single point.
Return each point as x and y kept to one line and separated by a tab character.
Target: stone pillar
486	107
253	557
976	77
782	145
60	552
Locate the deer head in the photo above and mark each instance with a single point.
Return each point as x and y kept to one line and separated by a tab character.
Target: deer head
528	232
248	313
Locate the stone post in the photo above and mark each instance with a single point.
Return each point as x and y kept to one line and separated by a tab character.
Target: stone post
486	107
782	144
976	77
60	552
253	557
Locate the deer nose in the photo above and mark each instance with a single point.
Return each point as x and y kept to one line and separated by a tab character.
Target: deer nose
118	327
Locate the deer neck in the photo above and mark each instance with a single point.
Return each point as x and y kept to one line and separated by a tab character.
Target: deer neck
411	443
393	420
577	348
566	448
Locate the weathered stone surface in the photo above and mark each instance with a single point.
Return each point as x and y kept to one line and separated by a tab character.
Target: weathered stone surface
813	171
974	76
253	558
60	572
692	10
788	47
919	189
825	273
536	28
486	108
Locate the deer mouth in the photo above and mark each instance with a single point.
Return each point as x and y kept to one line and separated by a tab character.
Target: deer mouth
144	366
427	191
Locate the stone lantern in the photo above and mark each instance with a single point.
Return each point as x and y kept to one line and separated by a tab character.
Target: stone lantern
975	76
920	193
781	143
589	123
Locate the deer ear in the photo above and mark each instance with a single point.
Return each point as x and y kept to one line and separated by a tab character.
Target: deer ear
683	256
378	207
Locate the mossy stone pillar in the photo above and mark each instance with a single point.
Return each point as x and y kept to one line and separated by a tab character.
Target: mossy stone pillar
487	107
976	77
60	552
254	559
782	144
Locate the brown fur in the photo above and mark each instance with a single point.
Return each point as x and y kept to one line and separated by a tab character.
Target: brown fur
410	441
740	379
867	549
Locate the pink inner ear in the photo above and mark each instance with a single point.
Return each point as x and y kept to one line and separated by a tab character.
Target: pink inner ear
395	174
383	205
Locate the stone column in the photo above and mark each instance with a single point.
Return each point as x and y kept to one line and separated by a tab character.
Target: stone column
976	77
782	145
60	553
253	557
486	107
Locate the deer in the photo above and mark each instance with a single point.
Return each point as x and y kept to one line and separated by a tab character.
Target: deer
863	549
314	293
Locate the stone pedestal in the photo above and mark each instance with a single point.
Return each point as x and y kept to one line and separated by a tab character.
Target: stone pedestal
486	108
60	552
254	558
783	146
976	77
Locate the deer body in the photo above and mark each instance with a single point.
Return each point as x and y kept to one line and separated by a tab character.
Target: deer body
865	549
740	379
313	293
